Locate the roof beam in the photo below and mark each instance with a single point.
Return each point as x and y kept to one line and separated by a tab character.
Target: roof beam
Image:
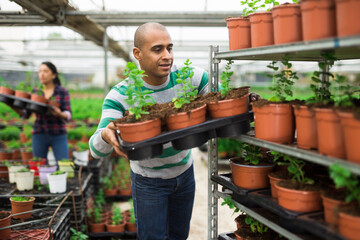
54	12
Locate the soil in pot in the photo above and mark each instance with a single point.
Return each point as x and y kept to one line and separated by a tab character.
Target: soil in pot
5	220
245	233
250	176
298	197
332	202
274	121
239	32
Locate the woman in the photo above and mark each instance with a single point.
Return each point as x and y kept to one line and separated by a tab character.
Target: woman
49	130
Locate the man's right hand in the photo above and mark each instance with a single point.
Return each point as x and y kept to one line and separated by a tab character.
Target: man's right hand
109	136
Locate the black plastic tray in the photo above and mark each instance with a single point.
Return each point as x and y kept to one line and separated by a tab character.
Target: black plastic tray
227	236
190	137
25	103
315	223
109	235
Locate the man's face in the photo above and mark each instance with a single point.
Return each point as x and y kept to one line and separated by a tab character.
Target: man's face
156	56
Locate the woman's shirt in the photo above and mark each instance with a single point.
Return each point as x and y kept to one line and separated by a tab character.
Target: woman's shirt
50	124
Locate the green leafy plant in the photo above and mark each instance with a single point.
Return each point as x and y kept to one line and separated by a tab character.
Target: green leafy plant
58	172
77	235
107	183
13	144
345	94
37	159
230	203
137	97
24	170
100	197
10	133
225	77
342	177
252	154
95	213
38	185
20	199
283	81
22	86
187	92
321	86
132	215
116	215
81	146
65	160
4	83
255	226
39	90
295	167
255	5
27	131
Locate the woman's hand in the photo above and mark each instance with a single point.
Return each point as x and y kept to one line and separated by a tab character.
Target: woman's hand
56	112
109	136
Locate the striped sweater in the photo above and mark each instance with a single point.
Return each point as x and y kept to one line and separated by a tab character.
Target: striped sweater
171	163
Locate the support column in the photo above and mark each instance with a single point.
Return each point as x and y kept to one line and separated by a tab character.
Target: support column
106	46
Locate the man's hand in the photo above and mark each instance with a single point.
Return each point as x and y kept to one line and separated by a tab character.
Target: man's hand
109	136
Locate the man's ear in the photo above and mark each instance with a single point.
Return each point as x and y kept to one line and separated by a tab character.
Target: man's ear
137	53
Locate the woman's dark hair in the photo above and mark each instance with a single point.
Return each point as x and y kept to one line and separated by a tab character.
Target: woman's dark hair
53	69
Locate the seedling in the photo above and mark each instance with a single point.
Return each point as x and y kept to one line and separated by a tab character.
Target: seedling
24	170
255	226
100	197
22	86
20	199
187	92
138	97
95	213
342	177
117	215
295	167
252	154
283	81
107	183
4	83
225	77
58	172
255	5
77	235
81	146
345	93
230	203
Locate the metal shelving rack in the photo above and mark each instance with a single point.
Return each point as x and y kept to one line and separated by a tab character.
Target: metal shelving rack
343	49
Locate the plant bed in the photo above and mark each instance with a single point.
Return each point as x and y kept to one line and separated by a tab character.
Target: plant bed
190	137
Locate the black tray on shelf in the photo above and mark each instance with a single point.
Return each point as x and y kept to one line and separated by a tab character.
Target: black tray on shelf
225	180
25	103
110	235
315	223
227	236
190	137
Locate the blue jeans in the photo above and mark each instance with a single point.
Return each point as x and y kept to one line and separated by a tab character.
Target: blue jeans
163	207
58	143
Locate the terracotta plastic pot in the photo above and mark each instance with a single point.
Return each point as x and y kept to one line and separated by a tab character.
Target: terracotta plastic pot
331	207
351	131
23	138
273	181
4	172
349	225
330	133
6	90
22	94
38	98
230	107
318	19
184	119
347	17
4	222
26	156
261	26
22	206
5	155
134	132
306	130
297	200
250	177
131	227
110	192
287	23
53	103
239	32
115	228
275	123
97	227
16	154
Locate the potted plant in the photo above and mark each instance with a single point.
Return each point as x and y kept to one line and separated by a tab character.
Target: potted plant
24	179
274	119
13	168
116	224
25	135
38	95
57	181
125	185
82	153
278	175
349	217
52	102
14	147
108	187
95	220
43	171
35	163
250	171
131	225
239	26
26	153
298	194
134	127
348	105
67	166
257	229
77	235
21	204
5	221
186	111
228	102
239	220
22	90
5	88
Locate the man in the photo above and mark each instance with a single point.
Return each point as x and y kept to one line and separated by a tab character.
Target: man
163	188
